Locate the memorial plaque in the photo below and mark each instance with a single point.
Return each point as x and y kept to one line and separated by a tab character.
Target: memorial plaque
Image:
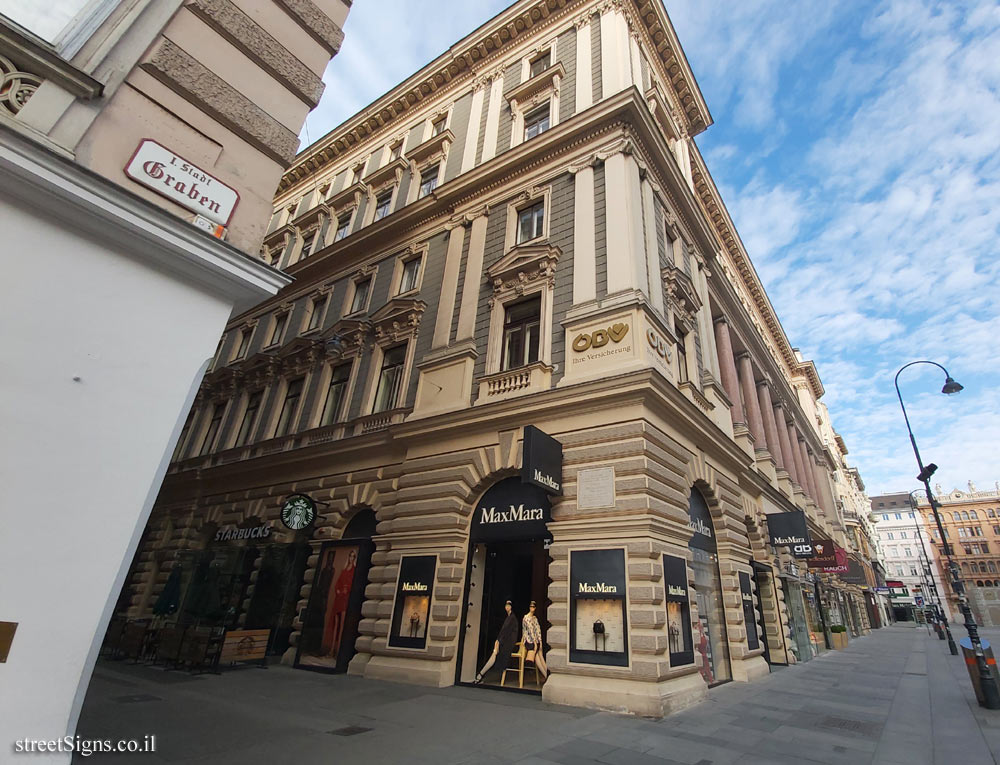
595	488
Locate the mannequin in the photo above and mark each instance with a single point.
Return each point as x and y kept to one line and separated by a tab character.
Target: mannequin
533	640
502	646
342	594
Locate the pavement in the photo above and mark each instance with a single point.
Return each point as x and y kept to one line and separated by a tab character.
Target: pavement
895	697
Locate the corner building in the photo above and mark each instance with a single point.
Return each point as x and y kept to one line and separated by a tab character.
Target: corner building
521	233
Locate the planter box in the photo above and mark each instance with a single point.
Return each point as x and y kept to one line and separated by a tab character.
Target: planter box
839	640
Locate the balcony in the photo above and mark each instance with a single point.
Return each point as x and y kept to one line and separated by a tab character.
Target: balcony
373	423
512	383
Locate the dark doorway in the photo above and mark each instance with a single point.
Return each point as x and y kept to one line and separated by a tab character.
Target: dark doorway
276	593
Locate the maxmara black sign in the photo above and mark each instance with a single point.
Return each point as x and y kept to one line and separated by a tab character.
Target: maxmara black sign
598	625
511	510
541	462
790	530
412	608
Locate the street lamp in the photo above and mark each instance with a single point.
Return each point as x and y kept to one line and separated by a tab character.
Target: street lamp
991	694
929	578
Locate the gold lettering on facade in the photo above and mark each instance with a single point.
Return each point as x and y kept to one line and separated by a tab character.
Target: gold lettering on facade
600	337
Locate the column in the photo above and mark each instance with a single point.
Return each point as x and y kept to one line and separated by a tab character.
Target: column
449	286
754	420
799	445
614	52
472	138
626	265
584	64
791	464
727	366
770	428
473	279
635	59
584	237
493	118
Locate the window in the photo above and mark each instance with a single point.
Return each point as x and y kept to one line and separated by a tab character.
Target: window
213	429
961	531
910	516
540	64
957	515
965	515
409	276
902	535
249	418
307	244
343	226
892	551
335	394
979	531
529	222
682	370
913	571
885	516
536	122
244	343
316	312
361	290
382	202
890	536
986	548
288	409
973	515
996	529
521	327
356	174
389	379
992	567
395	152
428	181
991	513
278	329
437	128
908	552
899	517
968	550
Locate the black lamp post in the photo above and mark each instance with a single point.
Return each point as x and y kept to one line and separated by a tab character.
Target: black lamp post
929	578
991	694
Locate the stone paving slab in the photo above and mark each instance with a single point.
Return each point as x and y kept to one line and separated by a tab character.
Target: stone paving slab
896	697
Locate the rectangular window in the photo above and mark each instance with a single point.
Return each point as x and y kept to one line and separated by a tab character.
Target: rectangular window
389	379
986	548
979	531
899	517
902	535
540	64
343	227
308	243
884	516
382	202
437	128
288	409
889	536
411	272
908	552
361	290
241	349
396	151
278	329
335	394
961	531
521	325
529	222
213	429
316	312
428	181
682	370
536	122
249	418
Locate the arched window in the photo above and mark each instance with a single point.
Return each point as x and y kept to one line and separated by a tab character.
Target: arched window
992	566
979	583
974	515
710	636
965	515
990	513
958	515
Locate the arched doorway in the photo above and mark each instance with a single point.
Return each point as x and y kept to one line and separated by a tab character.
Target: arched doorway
710	639
330	625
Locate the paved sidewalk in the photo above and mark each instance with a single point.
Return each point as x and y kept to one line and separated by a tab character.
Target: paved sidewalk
895	697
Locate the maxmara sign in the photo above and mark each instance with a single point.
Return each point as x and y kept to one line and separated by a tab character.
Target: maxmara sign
511	510
171	176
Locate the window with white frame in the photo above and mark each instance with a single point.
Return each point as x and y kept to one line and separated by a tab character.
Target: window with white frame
409	276
438	126
308	243
521	332
289	407
362	291
682	370
539	64
336	394
428	180
396	151
278	329
389	379
382	204
249	421
530	222
343	225
536	121
208	443
316	307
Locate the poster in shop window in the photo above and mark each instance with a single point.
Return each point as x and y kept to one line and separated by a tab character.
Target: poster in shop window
412	608
749	612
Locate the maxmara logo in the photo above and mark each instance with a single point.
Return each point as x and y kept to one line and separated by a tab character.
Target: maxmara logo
597	587
673	589
789	540
414	587
698	527
515	514
546	479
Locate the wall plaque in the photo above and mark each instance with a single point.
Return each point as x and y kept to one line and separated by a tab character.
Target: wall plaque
412	610
595	488
598	623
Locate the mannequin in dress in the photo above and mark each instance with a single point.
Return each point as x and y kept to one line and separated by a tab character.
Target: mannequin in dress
503	646
533	640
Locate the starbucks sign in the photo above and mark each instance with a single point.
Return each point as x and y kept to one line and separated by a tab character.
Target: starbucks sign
298	512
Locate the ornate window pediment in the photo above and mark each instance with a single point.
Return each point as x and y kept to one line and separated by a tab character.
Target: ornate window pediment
524	265
397	320
681	294
312	217
350	196
434	147
279	237
391	173
346	336
300	354
662	113
538	87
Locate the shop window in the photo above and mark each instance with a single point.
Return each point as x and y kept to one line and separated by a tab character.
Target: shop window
208	443
530	222
710	638
390	376
249	418
540	64
316	307
278	329
289	407
382	203
409	275
521	333
362	291
536	122
336	394
428	180
343	226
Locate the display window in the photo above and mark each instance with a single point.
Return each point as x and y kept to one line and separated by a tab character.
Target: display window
710	638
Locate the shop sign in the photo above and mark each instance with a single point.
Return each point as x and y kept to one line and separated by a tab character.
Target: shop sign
412	607
855	574
298	512
598	627
679	641
511	510
840	561
825	554
601	343
882	590
790	530
171	176
230	533
700	523
541	461
749	612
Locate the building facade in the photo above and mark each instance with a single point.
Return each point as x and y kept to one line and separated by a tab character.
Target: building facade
971	521
140	145
522	235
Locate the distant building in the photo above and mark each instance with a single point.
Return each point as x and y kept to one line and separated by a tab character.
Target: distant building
140	146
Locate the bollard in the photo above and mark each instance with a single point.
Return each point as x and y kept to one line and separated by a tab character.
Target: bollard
971	664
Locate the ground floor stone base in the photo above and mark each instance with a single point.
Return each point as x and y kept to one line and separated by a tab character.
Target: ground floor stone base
631	696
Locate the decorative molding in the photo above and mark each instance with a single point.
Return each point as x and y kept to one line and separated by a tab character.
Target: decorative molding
434	147
23	57
189	78
312	19
523	266
16	87
545	82
376	180
397	320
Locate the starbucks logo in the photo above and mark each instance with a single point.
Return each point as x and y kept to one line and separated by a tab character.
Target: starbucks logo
298	512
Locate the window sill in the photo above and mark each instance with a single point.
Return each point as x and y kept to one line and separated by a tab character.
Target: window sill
512	383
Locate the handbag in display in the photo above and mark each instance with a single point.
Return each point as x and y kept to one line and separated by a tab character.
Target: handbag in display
599	632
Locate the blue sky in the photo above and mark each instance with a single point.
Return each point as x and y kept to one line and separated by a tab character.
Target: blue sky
856	146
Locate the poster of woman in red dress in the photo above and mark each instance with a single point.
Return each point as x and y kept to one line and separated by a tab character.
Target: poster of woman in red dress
334	581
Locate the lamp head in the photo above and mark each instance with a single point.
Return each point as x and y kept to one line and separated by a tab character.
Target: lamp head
927	472
950	386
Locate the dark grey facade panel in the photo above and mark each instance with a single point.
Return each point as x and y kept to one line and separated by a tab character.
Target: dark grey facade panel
561	236
661	234
383	280
495	233
504	125
481	138
460	285
600	233
430	293
460	127
404	189
644	65
511	77
364	363
595	55
415	137
566	54
336	307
